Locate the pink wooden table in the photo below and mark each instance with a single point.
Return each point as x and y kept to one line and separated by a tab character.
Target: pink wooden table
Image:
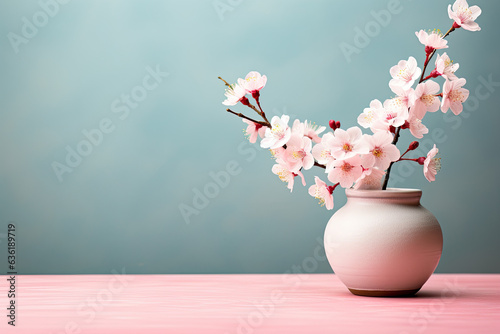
245	304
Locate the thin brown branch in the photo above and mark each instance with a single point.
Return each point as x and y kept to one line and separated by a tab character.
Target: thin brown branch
319	165
262	113
248	118
394	141
225	82
259	112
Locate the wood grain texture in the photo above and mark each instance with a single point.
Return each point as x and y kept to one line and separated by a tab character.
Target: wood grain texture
288	303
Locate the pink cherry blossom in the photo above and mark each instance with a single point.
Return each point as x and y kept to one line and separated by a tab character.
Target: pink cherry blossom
298	153
381	151
322	192
283	171
394	115
313	131
371	114
445	67
370	179
277	152
439	70
346	171
405	73
432	164
425	99
308	129
348	143
396	104
253	82
417	128
322	152
381	126
464	16
234	94
279	134
402	100
454	95
253	130
432	41
298	128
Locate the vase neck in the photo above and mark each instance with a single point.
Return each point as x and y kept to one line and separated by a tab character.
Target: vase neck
389	196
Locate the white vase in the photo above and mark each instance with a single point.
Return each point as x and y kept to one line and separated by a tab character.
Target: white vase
383	242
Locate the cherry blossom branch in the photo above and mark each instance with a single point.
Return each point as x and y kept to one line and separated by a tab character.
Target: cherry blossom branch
317	164
413	146
428	57
251	106
432	75
258	104
248	118
225	82
261	113
386	179
394	141
420	160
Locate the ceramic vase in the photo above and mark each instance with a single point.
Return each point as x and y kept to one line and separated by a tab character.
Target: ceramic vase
383	242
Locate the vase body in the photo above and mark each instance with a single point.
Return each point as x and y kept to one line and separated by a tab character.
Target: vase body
383	242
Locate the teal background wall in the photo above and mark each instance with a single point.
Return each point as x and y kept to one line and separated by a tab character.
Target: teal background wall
86	67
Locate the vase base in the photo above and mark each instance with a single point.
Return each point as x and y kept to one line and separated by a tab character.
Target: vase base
384	293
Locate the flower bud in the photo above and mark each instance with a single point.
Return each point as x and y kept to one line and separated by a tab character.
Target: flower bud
244	101
256	95
413	145
434	74
334	125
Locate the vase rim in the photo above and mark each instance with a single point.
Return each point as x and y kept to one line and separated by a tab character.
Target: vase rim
389	193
